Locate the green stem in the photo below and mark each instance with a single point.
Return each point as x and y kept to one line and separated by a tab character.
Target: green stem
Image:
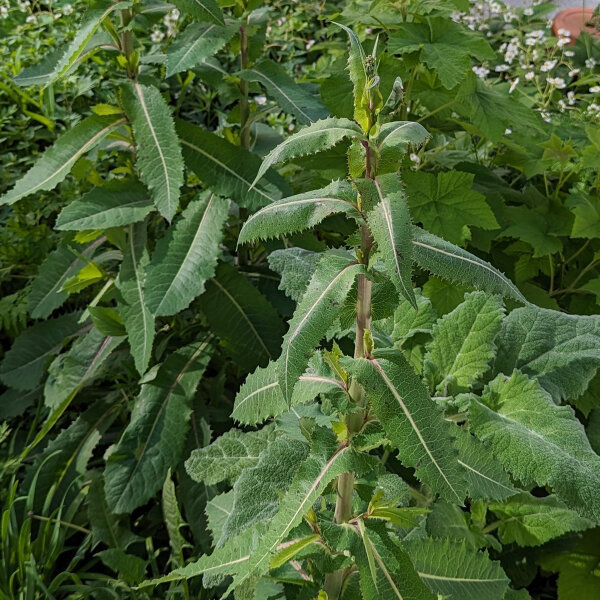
244	104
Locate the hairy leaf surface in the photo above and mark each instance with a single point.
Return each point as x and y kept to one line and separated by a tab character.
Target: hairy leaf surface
202	10
296	267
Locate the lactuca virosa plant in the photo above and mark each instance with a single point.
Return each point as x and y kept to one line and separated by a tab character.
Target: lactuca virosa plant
362	494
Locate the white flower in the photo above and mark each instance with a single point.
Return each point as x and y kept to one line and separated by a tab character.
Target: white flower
545	116
590	63
529	75
562	105
507	131
291	127
157	36
368	31
3	11
31	19
528	12
67	9
513	85
569	53
548	66
571	98
260	100
310	44
481	72
557	82
415	158
24	5
594	89
501	68
574	72
563	32
563	41
593	108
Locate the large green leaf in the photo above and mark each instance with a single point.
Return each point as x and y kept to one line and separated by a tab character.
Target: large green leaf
391	227
317	137
538	441
154	439
445	260
115	204
561	351
137	318
56	162
202	10
296	266
412	421
227	169
23	365
58	64
463	344
186	256
531	521
197	43
290	96
248	326
320	305
159	157
228	455
456	572
302	211
446	204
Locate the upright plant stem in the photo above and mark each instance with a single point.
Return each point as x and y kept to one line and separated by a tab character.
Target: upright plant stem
244	106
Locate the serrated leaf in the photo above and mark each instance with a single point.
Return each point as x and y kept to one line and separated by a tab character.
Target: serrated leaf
391	227
531	521
317	137
58	64
409	321
463	344
561	351
153	441
197	43
538	441
173	519
248	326
302	211
226	457
186	256
446	204
289	95
115	204
455	571
23	365
314	314
56	162
137	318
411	420
217	511
202	10
398	135
69	372
296	267
286	554
159	158
447	261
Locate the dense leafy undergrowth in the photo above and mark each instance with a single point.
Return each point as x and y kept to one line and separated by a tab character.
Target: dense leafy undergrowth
299	300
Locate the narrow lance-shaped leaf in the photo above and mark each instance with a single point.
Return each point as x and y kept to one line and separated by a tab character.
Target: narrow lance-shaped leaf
159	156
197	43
58	64
456	572
391	226
202	10
227	169
115	204
299	212
154	440
538	441
56	162
291	96
318	308
137	318
445	260
412	421
317	137
186	256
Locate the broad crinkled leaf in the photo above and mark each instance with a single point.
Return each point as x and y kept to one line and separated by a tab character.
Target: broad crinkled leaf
586	208
217	511
456	572
391	227
23	365
228	170
56	162
532	521
115	204
159	157
154	439
186	256
69	372
296	267
198	42
317	137
314	314
447	261
289	95
248	326
202	10
58	64
228	455
538	441
463	344
302	211
561	351
412	421
446	204
137	318
409	321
